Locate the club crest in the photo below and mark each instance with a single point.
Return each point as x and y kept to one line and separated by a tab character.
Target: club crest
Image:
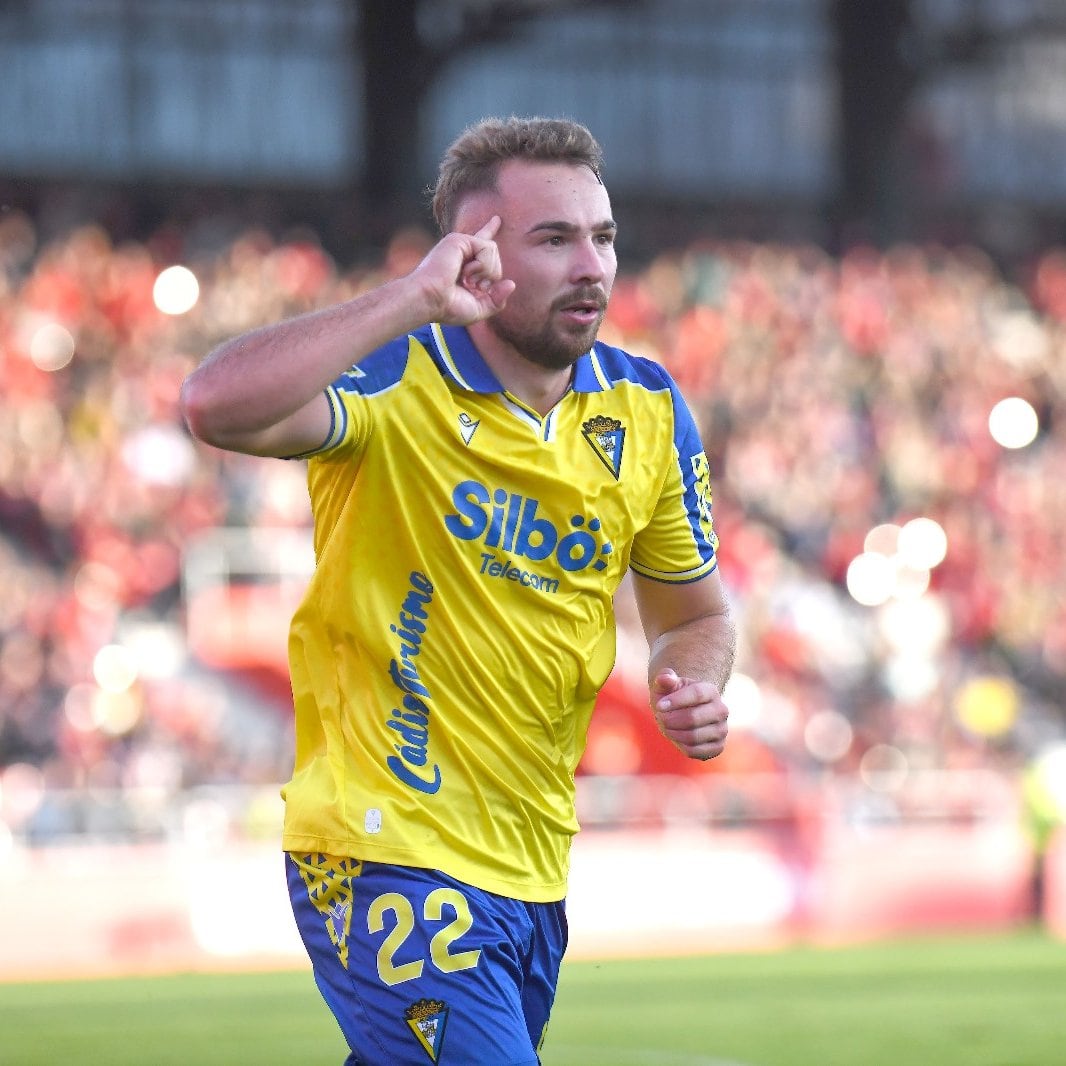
606	436
427	1019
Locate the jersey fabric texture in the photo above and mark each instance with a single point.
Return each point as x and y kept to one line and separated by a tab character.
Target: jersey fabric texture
459	624
418	967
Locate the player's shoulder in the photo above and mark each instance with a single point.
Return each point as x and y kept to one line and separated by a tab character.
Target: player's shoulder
618	366
384	368
645	387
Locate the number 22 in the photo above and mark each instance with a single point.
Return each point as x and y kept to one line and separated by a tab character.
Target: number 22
393	973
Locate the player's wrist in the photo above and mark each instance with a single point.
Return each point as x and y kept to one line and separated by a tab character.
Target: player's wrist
409	302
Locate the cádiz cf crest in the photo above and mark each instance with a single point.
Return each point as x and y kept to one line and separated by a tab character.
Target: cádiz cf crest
606	437
427	1019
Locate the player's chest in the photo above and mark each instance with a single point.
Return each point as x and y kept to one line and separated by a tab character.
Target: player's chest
584	476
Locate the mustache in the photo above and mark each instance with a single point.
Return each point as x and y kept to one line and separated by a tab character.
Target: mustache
588	295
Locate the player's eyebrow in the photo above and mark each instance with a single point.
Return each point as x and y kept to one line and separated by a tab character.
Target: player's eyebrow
554	226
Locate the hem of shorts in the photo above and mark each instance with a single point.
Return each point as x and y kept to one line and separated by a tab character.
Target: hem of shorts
468	873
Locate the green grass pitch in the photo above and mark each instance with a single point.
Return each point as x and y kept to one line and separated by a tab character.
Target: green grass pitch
958	1001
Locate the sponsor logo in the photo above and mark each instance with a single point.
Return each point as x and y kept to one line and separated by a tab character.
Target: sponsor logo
505	569
411	720
701	486
513	524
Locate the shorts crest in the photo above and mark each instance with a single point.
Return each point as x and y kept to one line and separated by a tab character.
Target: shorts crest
427	1019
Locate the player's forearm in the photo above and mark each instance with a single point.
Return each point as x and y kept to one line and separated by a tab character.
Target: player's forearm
265	376
703	648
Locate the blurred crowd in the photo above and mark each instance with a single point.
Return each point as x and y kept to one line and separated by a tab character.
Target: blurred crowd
841	398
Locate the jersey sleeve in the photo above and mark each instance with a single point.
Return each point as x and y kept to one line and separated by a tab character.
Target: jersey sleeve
351	413
680	544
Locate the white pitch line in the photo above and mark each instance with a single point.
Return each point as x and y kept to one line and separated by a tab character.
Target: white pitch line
636	1056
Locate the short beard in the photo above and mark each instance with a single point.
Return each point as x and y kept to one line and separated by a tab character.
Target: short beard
544	346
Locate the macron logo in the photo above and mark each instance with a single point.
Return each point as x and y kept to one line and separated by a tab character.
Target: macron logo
467	425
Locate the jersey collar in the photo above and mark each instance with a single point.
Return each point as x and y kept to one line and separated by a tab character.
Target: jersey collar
458	358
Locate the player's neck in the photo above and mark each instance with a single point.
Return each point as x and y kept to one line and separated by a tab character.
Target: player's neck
538	387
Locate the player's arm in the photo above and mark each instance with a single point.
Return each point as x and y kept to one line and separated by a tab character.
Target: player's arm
692	641
263	392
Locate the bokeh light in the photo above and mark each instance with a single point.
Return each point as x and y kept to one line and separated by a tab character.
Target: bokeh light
51	347
176	290
828	735
78	707
884	768
744	699
159	455
1049	767
157	649
883	539
116	713
1013	423
988	706
919	627
871	579
922	544
896	562
114	668
910	676
911	582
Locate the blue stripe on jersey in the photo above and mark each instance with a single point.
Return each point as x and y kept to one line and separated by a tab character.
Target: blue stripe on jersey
621	366
456	356
617	365
380	370
696	480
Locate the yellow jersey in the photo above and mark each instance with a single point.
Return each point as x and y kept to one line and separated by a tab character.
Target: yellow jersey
448	652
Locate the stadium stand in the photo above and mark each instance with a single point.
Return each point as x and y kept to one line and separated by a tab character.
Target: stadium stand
841	398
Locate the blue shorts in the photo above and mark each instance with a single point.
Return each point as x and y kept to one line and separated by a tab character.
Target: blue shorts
420	968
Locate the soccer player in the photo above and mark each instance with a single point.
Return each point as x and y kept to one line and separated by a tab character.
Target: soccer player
482	472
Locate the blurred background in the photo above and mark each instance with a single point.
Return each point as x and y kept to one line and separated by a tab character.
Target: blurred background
843	230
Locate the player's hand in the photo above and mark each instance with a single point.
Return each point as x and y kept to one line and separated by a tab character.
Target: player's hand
461	278
690	714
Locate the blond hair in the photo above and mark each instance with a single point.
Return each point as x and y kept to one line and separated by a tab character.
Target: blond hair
472	161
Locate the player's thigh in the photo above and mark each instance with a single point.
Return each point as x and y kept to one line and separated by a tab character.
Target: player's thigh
412	962
542	962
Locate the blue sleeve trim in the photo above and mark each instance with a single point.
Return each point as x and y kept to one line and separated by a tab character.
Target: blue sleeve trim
338	425
684	578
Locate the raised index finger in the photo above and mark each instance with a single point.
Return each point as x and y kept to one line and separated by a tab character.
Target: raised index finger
490	229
